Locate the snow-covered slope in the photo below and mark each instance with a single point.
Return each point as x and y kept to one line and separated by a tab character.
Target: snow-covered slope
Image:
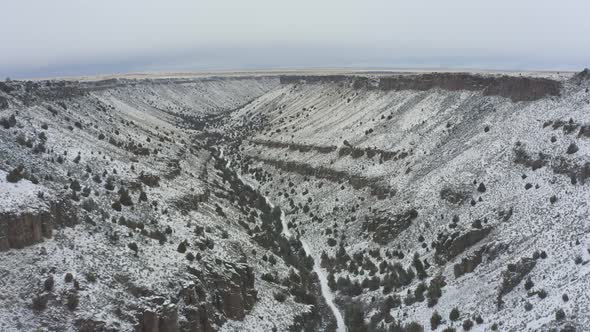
470	183
414	194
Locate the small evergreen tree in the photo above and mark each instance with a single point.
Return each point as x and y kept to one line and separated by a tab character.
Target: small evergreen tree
454	315
421	272
435	320
124	197
16	174
181	247
467	324
48	284
133	246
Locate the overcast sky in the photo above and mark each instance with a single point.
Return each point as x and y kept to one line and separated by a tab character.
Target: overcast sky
41	38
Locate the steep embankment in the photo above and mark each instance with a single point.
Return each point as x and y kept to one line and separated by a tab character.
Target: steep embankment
162	240
426	193
414	194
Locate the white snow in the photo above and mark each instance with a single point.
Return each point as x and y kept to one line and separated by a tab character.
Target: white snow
20	196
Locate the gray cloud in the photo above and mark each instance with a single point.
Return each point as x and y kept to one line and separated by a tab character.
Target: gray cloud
71	37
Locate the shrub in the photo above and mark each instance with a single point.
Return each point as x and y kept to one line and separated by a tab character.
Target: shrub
280	296
409	299
39	148
332	281
528	306
91	276
133	246
182	247
75	185
413	327
86	191
560	315
354	317
124	197
467	324
481	188
572	148
69	277
454	315
421	272
117	206
435	320
219	211
149	180
40	302
8	123
72	301
542	294
110	184
48	284
434	291
190	256
419	292
268	277
16	174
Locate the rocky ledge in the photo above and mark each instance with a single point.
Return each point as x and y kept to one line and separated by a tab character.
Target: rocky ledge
28	213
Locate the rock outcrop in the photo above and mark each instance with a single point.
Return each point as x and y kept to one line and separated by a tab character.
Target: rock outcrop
450	245
514	275
513	87
486	253
387	228
235	290
164	319
517	88
21	230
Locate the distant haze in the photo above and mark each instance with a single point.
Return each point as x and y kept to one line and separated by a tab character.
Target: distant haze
42	38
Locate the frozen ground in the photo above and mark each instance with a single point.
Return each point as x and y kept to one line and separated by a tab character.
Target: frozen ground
390	191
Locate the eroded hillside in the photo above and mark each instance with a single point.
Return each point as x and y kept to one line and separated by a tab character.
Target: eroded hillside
249	203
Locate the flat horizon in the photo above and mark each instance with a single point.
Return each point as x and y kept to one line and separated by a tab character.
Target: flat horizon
280	71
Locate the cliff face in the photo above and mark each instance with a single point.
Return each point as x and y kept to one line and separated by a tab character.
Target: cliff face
26	217
486	201
517	88
21	229
18	231
513	87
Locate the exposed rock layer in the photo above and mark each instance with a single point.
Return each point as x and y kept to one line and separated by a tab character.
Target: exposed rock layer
513	87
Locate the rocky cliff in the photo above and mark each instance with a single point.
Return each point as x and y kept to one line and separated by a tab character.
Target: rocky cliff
183	204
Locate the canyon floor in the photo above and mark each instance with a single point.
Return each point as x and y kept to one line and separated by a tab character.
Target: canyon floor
290	201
